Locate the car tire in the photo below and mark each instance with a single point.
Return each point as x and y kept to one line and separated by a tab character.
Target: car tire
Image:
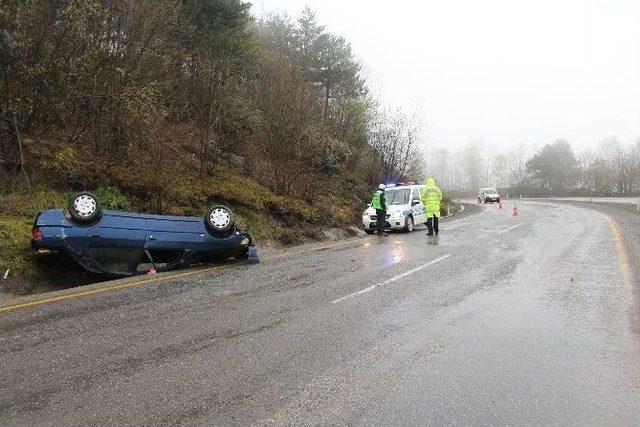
408	224
84	207
220	221
368	231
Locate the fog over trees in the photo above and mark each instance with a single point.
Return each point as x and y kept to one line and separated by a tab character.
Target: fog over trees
156	97
613	168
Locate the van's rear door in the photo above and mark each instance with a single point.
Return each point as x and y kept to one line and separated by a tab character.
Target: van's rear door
418	209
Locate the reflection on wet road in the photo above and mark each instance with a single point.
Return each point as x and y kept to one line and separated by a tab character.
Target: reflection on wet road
394	254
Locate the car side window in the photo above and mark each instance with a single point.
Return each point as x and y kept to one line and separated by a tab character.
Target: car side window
416	195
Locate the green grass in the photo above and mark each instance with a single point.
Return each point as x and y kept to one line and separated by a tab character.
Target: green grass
268	216
289	236
262	228
15	244
19	204
17	212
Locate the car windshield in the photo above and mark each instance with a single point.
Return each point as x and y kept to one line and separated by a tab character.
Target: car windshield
397	197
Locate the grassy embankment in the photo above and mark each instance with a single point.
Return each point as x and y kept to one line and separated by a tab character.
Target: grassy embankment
269	217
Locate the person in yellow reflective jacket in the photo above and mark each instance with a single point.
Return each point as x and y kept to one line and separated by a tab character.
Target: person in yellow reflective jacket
379	203
431	197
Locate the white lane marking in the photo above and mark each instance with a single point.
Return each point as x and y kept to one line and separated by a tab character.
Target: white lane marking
510	228
393	279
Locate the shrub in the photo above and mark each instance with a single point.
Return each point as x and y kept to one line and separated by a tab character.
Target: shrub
443	205
112	198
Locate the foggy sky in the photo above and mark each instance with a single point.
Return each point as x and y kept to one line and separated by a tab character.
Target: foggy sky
499	71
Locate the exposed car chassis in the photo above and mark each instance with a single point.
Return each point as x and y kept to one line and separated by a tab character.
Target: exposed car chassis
119	243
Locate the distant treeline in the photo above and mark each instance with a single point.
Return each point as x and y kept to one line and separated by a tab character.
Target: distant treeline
151	96
555	169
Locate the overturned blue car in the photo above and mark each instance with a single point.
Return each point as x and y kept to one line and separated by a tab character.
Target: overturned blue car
124	244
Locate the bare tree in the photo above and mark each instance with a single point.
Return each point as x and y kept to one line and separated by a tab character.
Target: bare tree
394	140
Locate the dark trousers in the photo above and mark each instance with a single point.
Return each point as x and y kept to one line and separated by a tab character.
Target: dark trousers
382	219
432	224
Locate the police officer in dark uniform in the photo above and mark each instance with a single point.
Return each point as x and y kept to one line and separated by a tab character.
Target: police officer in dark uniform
379	204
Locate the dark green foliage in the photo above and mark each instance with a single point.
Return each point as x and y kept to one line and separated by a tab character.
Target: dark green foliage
325	59
98	90
554	167
112	198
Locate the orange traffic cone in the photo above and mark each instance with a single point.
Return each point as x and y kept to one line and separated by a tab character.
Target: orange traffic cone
515	210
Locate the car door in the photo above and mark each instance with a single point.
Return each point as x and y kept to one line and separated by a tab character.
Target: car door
116	242
171	239
174	233
417	207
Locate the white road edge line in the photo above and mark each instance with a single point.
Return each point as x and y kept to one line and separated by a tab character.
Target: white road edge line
510	228
393	279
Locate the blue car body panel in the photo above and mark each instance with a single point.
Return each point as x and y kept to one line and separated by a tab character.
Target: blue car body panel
118	240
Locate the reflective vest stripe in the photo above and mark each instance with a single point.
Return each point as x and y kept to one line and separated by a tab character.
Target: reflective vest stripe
375	202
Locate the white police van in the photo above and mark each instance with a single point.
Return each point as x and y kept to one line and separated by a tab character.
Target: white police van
404	209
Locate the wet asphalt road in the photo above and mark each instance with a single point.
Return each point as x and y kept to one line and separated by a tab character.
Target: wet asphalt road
501	320
635	201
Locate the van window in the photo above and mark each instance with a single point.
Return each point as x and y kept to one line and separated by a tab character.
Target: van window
416	195
397	197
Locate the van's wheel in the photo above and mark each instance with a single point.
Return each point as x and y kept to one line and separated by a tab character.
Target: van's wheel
408	224
84	207
220	221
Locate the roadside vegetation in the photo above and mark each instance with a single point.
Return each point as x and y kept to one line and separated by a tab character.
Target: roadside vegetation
168	106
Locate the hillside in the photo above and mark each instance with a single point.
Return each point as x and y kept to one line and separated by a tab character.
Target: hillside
167	107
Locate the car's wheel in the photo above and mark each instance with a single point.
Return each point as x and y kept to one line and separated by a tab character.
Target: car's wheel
220	221
408	224
368	231
84	207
